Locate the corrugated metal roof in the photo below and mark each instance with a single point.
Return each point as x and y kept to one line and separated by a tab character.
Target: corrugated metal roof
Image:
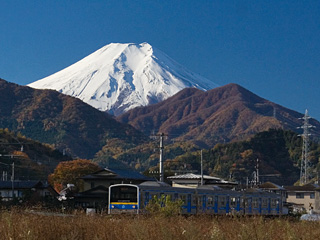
154	184
194	176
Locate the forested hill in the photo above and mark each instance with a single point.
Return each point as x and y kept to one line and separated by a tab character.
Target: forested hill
63	121
33	160
278	152
223	114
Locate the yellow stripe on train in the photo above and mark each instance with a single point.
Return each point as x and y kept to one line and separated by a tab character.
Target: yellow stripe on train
123	203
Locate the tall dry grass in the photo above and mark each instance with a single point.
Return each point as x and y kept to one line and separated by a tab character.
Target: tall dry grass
26	225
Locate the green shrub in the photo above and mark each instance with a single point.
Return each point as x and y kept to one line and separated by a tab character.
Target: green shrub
164	206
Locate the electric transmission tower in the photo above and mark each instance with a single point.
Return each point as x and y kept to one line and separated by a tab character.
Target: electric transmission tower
304	169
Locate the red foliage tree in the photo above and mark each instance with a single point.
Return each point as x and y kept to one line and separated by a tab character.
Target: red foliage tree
70	172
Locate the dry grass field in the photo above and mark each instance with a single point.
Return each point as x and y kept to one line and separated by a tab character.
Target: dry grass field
17	224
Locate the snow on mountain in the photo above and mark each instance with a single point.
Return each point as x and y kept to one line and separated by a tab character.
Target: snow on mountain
119	77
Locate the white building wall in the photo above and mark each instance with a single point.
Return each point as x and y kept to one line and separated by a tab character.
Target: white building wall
306	200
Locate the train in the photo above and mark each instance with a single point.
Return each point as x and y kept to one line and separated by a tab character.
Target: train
130	198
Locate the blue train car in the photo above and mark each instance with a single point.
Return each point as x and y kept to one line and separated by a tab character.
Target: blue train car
129	198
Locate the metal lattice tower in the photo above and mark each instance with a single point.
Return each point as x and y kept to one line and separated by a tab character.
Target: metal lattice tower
304	170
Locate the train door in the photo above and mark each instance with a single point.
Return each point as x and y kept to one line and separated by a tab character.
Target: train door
227	204
260	206
249	205
175	197
210	204
222	203
278	206
238	204
162	199
204	203
189	203
146	198
216	204
255	205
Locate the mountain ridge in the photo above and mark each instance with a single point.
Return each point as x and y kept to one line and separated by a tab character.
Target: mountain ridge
223	114
66	122
119	77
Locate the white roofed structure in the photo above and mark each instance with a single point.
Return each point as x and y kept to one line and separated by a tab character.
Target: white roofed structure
192	180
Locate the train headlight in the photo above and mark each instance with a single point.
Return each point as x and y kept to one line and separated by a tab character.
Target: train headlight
112	206
133	206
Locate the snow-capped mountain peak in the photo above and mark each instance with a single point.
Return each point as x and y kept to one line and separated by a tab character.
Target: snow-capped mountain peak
119	77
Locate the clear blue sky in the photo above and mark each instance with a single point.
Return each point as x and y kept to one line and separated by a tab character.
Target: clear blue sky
272	48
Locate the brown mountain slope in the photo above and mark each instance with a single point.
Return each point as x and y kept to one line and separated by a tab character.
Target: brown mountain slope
35	162
61	120
222	114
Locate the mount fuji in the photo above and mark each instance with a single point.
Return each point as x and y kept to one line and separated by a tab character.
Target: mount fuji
119	77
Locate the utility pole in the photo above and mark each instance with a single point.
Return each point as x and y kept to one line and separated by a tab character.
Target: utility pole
257	171
255	174
161	158
201	169
12	180
161	171
4	176
304	169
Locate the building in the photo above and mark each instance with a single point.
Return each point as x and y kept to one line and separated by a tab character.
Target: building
26	190
192	180
304	197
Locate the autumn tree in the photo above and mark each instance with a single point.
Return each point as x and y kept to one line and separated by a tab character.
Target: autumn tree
70	172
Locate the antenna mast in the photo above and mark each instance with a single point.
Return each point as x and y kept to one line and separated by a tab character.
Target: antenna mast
304	169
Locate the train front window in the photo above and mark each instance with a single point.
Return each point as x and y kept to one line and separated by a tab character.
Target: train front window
123	194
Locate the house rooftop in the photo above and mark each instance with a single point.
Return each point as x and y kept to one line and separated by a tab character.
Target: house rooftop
194	177
155	184
307	187
110	173
271	186
21	184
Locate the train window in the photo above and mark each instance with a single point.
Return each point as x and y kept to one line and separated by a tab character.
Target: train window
183	198
273	202
264	202
255	202
222	201
248	202
175	197
194	200
169	197
199	200
244	202
210	201
124	194
162	198
233	202
312	196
